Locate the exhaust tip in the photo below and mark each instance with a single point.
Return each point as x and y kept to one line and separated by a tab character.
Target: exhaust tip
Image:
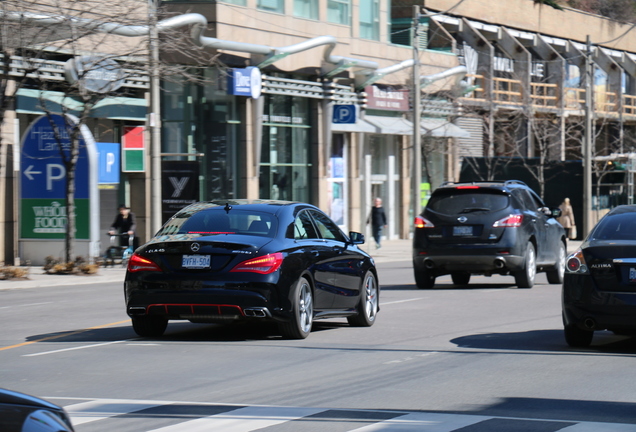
256	312
589	323
500	263
136	310
429	264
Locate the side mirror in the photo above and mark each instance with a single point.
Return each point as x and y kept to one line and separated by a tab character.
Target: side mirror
356	237
556	212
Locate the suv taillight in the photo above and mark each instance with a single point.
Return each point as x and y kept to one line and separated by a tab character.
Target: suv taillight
512	221
421	222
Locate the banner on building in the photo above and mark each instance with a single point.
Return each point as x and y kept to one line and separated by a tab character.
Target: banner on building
179	186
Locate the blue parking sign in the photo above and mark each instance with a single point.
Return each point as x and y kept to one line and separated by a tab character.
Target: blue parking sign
109	161
344	114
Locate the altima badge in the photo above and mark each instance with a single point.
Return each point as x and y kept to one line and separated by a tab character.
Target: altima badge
195	247
462	219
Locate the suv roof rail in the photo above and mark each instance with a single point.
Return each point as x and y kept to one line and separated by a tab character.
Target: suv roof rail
505	182
510	182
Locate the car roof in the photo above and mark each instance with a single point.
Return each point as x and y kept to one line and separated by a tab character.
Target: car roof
257	205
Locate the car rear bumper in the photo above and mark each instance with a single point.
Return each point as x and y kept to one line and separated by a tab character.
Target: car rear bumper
484	262
588	308
203	304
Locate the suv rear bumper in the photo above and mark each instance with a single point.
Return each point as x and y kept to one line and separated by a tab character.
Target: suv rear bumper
486	263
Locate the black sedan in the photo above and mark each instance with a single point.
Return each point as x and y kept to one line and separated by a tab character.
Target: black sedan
223	261
599	287
23	413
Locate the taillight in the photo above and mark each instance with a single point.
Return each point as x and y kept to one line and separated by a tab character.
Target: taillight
138	263
264	264
467	187
421	222
512	221
576	263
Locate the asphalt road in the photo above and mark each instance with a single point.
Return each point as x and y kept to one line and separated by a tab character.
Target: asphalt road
483	357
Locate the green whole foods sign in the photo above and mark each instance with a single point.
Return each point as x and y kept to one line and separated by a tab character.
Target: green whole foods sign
47	218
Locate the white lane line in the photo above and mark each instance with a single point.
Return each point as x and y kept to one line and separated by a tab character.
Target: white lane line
429	422
400	301
102	409
25	305
75	348
411	358
242	420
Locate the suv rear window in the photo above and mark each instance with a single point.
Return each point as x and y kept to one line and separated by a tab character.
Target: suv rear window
218	221
456	201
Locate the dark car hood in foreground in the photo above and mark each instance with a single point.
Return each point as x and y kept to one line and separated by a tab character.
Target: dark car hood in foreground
14	398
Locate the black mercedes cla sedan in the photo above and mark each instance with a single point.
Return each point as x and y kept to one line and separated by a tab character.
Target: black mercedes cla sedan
599	286
222	261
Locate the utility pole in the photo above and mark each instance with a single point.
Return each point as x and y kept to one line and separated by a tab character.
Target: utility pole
416	173
154	122
587	145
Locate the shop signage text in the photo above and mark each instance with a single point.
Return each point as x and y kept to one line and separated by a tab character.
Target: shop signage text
389	98
245	82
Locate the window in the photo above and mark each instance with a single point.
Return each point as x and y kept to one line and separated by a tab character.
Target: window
339	11
303	227
236	2
306	9
271	5
328	230
370	19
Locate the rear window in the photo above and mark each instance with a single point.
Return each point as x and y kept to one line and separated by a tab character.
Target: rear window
616	227
457	201
218	221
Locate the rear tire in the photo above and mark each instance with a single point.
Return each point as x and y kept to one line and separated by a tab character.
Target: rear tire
149	326
424	279
368	306
302	318
555	276
460	278
577	338
525	278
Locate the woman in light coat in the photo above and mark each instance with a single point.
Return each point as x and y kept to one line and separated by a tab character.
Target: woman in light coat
567	219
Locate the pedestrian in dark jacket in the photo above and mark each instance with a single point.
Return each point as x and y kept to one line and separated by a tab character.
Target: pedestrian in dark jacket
377	219
124	223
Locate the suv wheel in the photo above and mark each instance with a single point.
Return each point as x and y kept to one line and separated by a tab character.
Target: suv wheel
460	278
555	276
525	278
424	279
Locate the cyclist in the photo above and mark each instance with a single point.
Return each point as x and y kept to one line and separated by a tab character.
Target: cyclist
124	223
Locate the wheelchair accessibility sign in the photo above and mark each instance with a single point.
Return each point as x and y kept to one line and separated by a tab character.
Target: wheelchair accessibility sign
344	114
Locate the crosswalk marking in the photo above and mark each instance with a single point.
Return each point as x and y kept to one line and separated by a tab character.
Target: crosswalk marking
100	409
205	417
242	420
429	422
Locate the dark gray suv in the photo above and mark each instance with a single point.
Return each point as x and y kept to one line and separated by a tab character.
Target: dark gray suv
487	228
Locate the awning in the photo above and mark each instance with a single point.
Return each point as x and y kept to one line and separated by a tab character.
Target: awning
442	128
29	101
390	125
359	126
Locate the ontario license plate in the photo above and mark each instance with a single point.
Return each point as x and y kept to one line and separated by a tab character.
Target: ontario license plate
196	261
462	230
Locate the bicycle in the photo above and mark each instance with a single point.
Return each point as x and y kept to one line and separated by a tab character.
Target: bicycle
118	252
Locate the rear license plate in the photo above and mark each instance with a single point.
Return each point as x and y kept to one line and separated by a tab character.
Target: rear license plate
462	230
196	261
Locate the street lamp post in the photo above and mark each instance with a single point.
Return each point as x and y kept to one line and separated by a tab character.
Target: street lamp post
587	144
416	164
154	122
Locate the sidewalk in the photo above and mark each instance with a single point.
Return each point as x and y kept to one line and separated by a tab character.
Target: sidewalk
391	251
